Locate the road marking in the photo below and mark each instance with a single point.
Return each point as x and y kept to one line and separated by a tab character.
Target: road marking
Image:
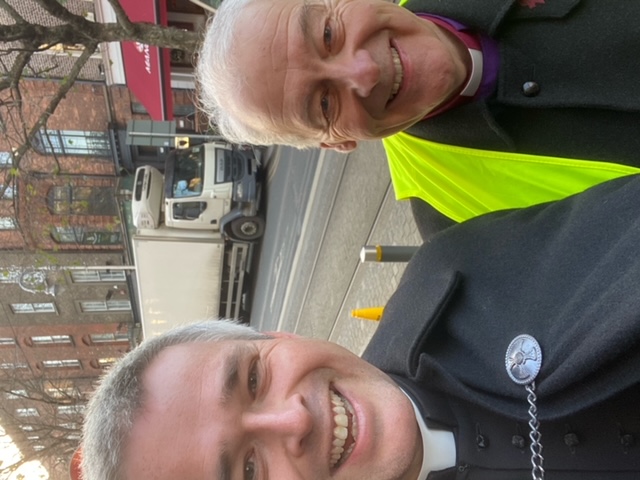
304	232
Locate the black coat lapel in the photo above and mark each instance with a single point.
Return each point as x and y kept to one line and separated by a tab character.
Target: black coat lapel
406	323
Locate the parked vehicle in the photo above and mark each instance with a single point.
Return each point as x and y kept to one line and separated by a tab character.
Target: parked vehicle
187	275
194	226
213	186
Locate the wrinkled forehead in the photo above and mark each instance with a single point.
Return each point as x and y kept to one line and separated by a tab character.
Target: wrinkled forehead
269	59
183	385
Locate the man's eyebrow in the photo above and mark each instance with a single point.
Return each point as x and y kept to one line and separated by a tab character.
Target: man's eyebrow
230	374
306	16
304	19
224	473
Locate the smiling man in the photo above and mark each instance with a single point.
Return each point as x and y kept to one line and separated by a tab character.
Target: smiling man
293	409
219	400
500	103
329	73
535	306
333	72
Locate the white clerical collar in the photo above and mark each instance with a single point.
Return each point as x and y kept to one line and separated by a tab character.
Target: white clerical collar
470	88
438	446
475	79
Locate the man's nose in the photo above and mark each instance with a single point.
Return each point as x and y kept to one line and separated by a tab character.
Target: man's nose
358	72
291	421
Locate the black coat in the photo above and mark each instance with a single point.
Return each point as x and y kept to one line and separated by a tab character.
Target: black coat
582	54
567	273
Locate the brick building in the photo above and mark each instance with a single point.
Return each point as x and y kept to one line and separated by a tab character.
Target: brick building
67	301
53	348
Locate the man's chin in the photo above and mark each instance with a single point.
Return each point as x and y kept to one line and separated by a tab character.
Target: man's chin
392	130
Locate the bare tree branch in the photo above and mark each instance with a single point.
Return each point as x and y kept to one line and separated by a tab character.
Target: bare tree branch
121	15
24	39
18	67
20	123
40	34
12	11
168	37
15	32
55	8
56	432
67	34
65	86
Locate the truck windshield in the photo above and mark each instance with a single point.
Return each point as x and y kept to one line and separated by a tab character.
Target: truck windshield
185	172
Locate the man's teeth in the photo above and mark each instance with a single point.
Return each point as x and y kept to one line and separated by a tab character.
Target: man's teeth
397	79
343	411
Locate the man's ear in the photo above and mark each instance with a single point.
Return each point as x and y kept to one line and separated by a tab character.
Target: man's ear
282	334
345	146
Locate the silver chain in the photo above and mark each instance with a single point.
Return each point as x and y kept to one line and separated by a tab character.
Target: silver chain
537	471
523	361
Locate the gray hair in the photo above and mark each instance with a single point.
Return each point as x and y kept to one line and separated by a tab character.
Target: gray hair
113	407
220	79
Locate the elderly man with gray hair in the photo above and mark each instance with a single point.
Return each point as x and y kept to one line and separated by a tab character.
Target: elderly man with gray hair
501	103
511	350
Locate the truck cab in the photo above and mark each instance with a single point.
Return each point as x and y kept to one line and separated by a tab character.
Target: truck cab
213	186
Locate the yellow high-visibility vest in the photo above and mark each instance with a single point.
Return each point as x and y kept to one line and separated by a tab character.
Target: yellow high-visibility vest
465	182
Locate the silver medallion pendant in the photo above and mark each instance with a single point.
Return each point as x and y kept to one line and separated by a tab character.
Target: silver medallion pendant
523	359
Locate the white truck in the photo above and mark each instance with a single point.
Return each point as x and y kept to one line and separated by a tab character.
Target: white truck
184	276
213	186
194	226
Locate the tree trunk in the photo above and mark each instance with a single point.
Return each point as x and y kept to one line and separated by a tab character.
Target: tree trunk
167	37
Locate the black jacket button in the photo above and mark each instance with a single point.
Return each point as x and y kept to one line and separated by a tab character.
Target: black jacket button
627	440
518	441
481	441
571	440
530	89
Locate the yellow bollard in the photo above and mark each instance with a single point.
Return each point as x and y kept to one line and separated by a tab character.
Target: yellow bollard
371	313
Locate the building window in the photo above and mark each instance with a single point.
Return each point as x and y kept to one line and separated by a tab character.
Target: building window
12	365
7	342
84	236
184	110
37	448
104	362
33	437
51	340
73	142
69	425
15	394
8	223
6	159
74	200
61	388
33	307
9	191
71	409
108	306
97	338
27	428
67	363
62	392
96	276
27	412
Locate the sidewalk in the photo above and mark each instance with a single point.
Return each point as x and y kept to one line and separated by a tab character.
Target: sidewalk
363	211
373	282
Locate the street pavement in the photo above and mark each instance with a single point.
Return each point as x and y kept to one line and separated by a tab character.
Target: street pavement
351	204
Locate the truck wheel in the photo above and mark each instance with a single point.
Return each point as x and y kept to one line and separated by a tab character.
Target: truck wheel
247	228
